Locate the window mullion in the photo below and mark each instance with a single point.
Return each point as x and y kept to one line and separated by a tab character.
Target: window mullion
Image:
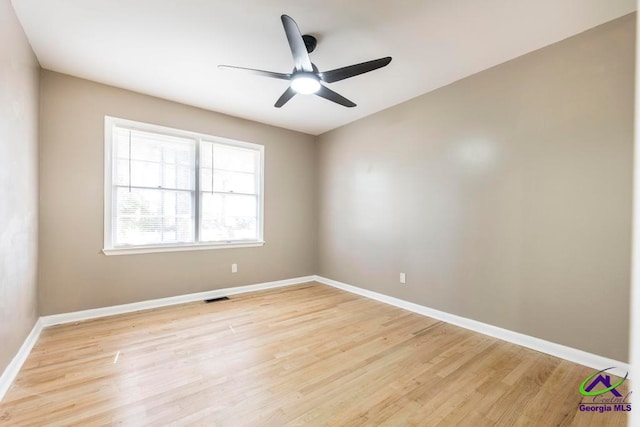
162	195
197	203
258	190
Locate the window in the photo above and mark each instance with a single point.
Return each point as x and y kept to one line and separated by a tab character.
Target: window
167	189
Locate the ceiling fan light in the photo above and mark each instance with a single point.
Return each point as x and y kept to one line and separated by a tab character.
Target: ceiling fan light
305	84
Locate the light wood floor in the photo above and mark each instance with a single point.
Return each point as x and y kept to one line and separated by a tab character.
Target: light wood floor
302	355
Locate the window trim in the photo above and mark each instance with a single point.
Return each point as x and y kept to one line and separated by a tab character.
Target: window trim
108	248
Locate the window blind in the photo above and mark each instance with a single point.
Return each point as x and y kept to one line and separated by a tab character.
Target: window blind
154	188
229	191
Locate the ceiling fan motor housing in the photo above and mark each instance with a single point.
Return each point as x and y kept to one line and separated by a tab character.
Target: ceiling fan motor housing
310	42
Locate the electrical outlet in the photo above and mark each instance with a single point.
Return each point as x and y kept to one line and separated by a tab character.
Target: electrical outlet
403	278
234	268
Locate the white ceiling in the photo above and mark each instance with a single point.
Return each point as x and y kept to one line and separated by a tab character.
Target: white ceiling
171	49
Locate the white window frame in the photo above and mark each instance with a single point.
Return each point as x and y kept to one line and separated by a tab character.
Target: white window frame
109	124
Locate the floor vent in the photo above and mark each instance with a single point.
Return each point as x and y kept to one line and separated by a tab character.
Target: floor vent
216	299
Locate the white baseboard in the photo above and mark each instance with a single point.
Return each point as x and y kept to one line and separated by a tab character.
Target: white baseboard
571	354
11	372
77	316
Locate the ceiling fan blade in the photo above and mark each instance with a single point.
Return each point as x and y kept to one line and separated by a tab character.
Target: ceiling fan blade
296	43
263	73
285	97
327	93
354	70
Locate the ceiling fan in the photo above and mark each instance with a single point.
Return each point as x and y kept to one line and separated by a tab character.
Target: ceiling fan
305	78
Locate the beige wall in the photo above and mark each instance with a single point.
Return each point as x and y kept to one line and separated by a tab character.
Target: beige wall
75	275
18	185
505	197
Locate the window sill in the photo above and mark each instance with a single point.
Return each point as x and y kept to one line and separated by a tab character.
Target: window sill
132	250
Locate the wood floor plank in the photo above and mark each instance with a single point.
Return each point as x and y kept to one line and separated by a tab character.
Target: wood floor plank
301	355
